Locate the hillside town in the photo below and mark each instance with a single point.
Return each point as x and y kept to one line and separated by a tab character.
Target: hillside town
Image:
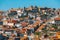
32	23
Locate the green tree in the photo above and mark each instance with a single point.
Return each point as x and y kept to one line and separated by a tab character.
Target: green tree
54	26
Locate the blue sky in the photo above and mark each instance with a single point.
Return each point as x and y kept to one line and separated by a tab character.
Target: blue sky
7	4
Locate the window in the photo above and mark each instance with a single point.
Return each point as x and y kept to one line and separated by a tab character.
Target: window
1	23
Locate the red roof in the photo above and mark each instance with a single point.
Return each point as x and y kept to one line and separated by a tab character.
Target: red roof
23	23
57	18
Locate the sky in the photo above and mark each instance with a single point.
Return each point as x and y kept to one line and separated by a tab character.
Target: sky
7	4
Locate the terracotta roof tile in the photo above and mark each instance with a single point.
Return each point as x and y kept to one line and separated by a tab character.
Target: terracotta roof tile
57	18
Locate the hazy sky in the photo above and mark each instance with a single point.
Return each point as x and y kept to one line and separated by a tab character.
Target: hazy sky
7	4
